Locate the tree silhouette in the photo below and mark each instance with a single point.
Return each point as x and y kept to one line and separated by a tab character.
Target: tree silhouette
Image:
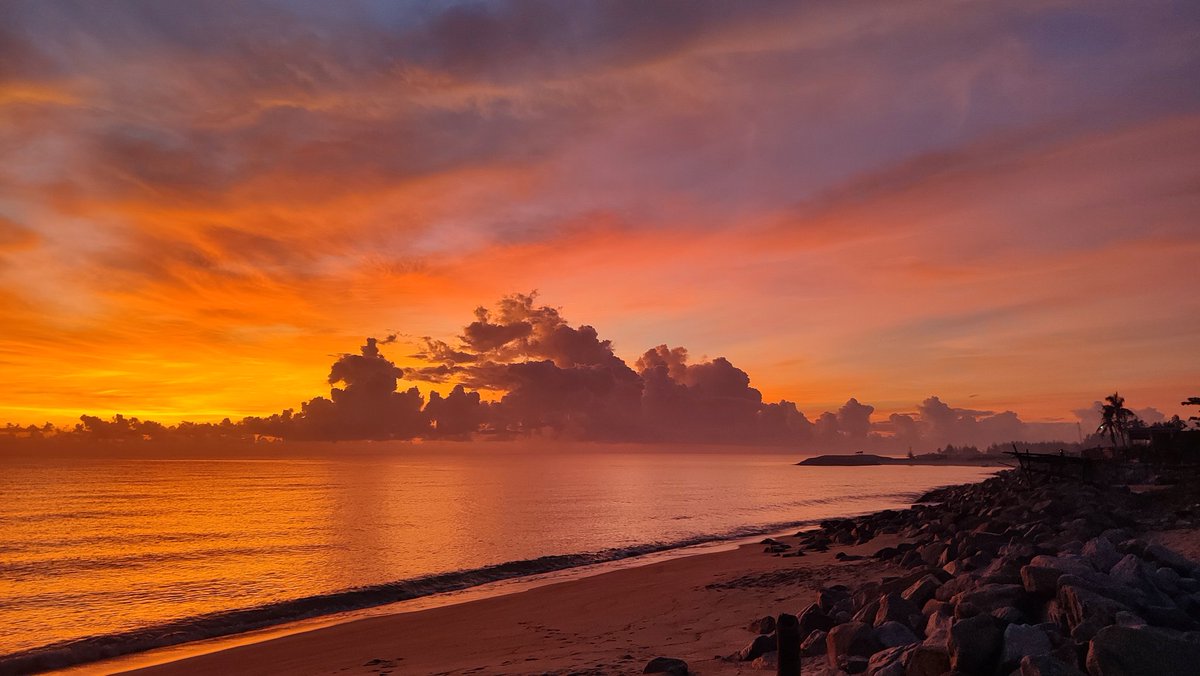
1192	401
1115	419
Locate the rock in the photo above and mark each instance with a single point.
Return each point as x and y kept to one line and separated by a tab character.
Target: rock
989	597
974	643
1128	619
1167	580
888	662
921	591
867	613
1009	615
853	664
886	553
1040	580
1171	559
1136	575
765	625
814	644
1127	651
1042	573
1082	607
928	660
829	597
766	661
666	665
954	586
1021	640
1066	563
1045	665
895	608
758	646
893	633
814	618
852	638
1101	554
937	627
931	552
965	609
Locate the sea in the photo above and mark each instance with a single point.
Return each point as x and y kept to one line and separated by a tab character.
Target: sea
102	554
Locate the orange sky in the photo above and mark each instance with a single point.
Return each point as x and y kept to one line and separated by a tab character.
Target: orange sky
996	205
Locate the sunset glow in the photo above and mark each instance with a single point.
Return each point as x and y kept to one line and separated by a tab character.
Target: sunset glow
993	204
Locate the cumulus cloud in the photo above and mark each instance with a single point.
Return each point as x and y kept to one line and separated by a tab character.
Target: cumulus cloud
854	419
546	376
364	402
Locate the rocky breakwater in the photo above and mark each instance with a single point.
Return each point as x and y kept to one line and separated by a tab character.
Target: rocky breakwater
1054	578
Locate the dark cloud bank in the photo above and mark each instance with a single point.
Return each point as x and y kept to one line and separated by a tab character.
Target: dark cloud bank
544	377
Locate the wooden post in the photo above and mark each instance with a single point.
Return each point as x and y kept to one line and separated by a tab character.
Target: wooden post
787	634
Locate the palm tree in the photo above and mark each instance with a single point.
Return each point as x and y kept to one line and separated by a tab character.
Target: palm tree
1115	419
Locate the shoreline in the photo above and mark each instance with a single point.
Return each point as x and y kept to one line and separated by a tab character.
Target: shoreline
116	653
990	577
609	622
518	584
236	625
489	590
266	622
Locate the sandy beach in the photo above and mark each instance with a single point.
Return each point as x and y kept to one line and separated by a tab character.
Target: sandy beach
695	608
968	579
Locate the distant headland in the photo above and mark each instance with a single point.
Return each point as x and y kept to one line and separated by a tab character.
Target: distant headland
863	460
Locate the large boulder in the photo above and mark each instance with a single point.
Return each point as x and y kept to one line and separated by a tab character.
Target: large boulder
814	644
922	590
813	618
1086	612
1066	563
760	645
895	608
892	633
1101	554
1172	559
955	586
850	639
867	613
928	660
666	665
937	627
830	597
975	644
765	625
1042	574
1022	640
1040	580
887	662
990	597
1138	577
1144	651
1045	665
766	661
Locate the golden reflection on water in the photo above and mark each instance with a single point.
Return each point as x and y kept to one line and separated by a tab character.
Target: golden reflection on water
96	546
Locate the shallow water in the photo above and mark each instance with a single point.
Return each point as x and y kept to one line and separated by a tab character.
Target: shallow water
93	547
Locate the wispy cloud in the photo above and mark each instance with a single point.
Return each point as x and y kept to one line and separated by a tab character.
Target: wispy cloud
785	184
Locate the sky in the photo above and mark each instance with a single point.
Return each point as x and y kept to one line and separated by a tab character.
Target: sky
202	205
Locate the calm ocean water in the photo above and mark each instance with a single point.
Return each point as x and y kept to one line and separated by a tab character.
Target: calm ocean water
97	547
